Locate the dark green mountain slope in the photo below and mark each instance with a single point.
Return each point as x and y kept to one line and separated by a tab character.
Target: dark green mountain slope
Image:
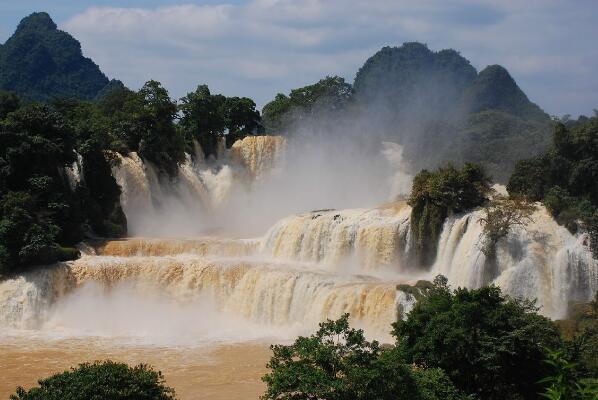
40	62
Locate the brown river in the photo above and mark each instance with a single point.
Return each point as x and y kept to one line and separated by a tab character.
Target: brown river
227	371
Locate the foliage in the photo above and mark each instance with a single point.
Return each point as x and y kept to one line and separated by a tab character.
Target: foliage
565	178
9	102
100	380
436	195
37	204
42	214
495	89
500	216
153	122
309	104
488	344
581	333
338	363
563	383
206	117
40	62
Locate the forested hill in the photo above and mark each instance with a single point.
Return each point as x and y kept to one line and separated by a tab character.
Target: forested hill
41	62
435	104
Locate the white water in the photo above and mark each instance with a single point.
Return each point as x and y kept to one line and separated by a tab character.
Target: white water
305	268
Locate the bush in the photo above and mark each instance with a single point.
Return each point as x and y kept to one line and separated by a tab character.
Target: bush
565	178
436	195
500	216
100	381
488	344
337	363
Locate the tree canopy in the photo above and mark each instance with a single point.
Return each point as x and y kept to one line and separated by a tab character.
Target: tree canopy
338	363
565	178
488	344
315	103
438	194
206	117
101	381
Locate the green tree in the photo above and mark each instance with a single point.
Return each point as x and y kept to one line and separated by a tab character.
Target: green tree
565	177
39	210
101	381
309	104
160	142
490	346
9	102
203	118
337	363
241	117
436	195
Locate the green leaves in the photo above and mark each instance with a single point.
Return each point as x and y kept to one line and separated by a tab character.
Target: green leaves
338	363
565	178
206	116
563	384
488	344
99	381
436	195
307	104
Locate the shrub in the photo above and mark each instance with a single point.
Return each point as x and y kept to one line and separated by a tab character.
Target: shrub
436	195
337	363
500	216
101	381
488	344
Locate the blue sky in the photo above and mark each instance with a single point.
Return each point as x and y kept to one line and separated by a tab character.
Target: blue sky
258	48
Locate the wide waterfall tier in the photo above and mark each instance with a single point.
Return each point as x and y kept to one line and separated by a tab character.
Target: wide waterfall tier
269	293
540	261
307	268
362	239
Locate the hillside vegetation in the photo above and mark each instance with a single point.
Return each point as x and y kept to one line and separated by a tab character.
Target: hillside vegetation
40	62
434	104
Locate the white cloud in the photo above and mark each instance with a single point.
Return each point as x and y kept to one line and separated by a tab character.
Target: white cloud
267	46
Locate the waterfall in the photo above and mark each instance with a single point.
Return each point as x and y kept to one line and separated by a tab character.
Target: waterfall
540	261
185	205
265	292
258	154
306	267
373	238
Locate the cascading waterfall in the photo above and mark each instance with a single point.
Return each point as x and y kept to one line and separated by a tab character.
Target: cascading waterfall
307	267
185	204
373	238
258	154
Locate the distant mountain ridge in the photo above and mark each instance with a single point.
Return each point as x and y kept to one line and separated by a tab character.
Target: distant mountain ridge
39	62
413	76
435	104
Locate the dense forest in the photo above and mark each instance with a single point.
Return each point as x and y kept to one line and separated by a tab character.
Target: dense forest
43	214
